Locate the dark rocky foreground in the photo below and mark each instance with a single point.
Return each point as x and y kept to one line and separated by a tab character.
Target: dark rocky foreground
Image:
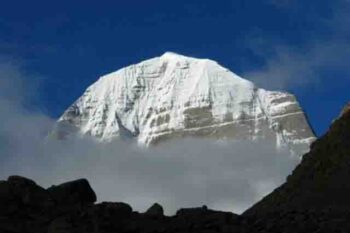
315	198
69	207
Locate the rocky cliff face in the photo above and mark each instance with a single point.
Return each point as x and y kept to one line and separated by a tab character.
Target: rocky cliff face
320	182
175	96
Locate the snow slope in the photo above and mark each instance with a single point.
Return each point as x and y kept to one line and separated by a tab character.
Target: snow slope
175	96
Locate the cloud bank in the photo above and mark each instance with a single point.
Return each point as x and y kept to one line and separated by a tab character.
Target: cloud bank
191	172
319	58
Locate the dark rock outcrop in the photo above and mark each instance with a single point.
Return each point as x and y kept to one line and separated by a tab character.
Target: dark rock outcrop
321	180
155	210
28	192
78	191
316	196
26	207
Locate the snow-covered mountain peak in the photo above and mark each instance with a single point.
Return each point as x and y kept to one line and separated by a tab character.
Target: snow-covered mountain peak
174	96
174	56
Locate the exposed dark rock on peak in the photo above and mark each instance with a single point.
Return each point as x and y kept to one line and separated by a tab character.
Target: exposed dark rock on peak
155	210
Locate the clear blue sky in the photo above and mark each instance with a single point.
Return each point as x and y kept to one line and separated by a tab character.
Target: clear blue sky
299	46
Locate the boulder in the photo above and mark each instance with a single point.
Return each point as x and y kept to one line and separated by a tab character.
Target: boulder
7	200
5	192
72	193
155	210
27	192
113	209
192	211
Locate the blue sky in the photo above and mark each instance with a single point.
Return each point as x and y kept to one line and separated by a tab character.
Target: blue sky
299	46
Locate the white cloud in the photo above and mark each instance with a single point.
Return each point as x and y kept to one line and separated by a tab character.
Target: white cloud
287	66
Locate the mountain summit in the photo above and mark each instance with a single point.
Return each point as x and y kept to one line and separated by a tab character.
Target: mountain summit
173	96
